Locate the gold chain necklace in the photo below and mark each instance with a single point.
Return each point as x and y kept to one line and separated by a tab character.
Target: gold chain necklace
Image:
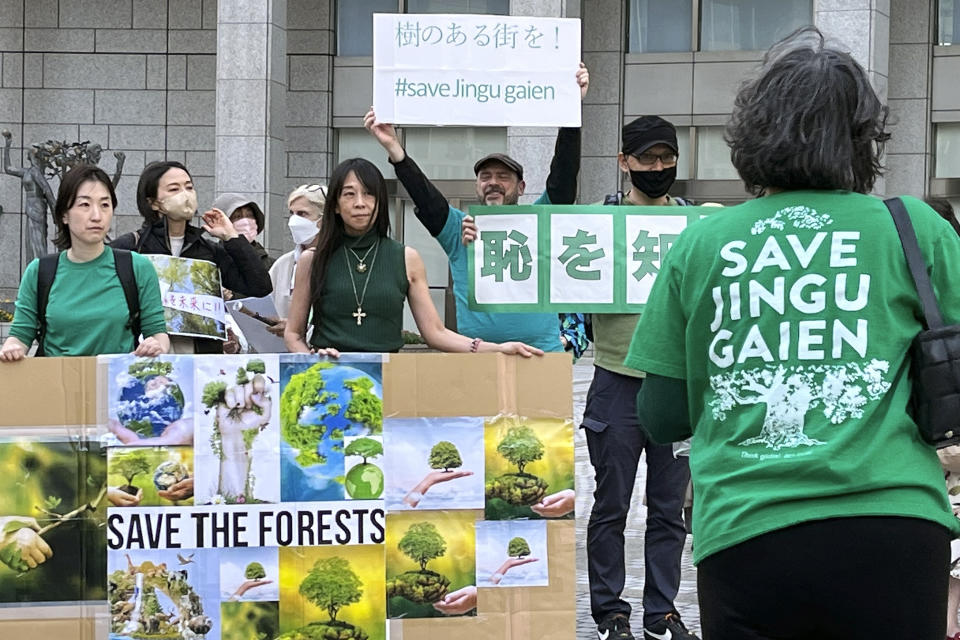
362	262
359	314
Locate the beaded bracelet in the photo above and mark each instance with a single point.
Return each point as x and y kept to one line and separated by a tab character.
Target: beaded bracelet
475	344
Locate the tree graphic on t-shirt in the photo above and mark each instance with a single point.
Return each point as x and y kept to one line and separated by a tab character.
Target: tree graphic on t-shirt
842	390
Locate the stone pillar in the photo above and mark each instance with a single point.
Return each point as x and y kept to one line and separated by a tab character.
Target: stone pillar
251	107
909	158
863	27
533	146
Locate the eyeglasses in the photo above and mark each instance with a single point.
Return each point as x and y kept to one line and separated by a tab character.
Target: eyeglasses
667	159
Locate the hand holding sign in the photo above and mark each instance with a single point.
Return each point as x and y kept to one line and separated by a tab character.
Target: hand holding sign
386	135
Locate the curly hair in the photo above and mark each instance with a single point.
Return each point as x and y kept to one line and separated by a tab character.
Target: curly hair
810	120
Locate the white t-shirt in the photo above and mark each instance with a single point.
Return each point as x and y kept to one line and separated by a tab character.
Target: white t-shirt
176	245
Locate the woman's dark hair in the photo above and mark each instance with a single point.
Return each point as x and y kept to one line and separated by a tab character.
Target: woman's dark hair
67	196
945	209
147	187
811	120
331	227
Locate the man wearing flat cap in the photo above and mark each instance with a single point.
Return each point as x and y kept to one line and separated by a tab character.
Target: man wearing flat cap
615	439
499	182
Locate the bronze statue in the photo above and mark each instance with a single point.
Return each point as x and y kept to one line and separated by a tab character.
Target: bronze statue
39	196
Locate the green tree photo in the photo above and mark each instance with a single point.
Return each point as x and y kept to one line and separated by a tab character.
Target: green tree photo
518	547
255	571
444	455
331	584
130	465
521	446
422	543
365	448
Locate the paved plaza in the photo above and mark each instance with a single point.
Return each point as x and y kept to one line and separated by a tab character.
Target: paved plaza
687	599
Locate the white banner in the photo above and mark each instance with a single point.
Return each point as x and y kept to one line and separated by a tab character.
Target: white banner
477	70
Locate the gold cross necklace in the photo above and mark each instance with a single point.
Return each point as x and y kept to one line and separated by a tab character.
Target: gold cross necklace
359	314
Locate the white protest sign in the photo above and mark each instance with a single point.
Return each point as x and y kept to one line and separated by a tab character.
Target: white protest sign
477	70
505	248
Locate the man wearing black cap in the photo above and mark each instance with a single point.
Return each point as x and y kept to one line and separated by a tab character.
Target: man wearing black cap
615	439
499	182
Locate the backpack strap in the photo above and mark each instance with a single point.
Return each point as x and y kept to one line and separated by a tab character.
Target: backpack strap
46	272
123	263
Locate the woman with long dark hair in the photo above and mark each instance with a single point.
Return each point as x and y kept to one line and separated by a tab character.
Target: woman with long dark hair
778	335
356	280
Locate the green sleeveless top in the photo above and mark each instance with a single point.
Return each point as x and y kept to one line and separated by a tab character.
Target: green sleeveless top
380	300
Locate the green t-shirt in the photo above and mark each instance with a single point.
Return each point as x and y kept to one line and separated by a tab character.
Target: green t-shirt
790	317
87	312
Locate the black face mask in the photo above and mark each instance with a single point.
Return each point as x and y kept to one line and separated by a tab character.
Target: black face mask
654	184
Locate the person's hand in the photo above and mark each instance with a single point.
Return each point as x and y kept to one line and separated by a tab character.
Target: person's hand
520	349
246	586
179	491
329	352
217	224
21	547
434	477
149	348
468	230
279	328
232	344
12	350
386	135
508	564
583	79
556	505
120	155
119	498
458	602
6	134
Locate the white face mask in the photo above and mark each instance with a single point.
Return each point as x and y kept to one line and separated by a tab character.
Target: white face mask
180	206
303	230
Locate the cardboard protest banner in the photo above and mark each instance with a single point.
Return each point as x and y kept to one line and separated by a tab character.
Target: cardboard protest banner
476	70
574	258
285	532
192	296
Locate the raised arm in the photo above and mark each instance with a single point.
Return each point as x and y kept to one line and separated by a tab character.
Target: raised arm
431	207
7	168
565	166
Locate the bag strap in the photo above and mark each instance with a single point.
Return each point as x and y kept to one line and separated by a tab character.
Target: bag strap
918	268
123	263
46	272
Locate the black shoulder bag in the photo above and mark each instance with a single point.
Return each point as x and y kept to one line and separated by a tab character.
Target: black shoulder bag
935	353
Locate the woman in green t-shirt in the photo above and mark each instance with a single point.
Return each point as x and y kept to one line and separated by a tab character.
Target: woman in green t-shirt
356	280
778	333
87	313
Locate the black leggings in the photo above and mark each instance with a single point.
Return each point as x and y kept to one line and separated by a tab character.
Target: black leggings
869	578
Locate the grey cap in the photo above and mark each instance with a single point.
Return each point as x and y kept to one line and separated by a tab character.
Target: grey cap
503	159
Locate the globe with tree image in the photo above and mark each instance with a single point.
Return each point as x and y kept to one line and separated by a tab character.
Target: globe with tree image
149	398
520	446
421	543
364	481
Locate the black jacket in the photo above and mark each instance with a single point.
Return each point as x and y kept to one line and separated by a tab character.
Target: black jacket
241	269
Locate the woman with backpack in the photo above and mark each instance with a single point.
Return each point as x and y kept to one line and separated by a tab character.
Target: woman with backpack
80	302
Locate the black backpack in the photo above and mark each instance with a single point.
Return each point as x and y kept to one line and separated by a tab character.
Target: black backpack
47	271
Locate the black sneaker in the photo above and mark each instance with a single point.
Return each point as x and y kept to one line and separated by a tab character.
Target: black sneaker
615	626
671	627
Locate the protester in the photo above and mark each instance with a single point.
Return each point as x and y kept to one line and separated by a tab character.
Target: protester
167	201
357	279
778	334
615	440
87	311
306	207
499	182
247	219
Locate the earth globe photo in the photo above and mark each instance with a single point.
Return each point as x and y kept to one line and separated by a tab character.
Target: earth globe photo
148	404
168	474
319	406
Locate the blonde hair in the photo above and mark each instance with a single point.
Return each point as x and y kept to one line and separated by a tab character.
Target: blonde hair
314	193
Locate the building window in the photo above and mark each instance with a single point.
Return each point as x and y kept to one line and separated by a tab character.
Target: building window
355	25
713	155
948	22
684	153
490	7
358	143
947	163
659	25
749	25
448	153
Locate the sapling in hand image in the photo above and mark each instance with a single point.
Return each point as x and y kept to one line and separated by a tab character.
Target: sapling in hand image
520	446
444	455
421	543
330	585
